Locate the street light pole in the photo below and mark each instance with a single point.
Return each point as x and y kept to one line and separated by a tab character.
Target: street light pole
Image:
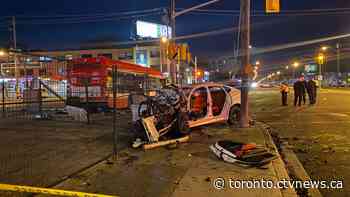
173	15
245	39
195	70
14	37
338	59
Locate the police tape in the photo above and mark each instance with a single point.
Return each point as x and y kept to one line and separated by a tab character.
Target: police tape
38	190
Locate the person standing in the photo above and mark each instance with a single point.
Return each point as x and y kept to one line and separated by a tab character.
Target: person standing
311	90
284	93
303	86
299	91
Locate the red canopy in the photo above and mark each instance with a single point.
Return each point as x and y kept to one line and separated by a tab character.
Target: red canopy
121	66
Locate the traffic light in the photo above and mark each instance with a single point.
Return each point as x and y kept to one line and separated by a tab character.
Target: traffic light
321	59
273	6
189	57
172	50
183	52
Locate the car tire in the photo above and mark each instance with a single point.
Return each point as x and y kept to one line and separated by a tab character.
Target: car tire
234	115
182	123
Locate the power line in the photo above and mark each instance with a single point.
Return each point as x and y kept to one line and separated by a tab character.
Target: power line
273	15
263	11
76	21
135	12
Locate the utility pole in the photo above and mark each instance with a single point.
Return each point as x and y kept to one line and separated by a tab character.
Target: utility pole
338	59
245	42
195	70
173	15
14	32
173	67
14	37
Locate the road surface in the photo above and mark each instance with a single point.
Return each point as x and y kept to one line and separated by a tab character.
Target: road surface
320	134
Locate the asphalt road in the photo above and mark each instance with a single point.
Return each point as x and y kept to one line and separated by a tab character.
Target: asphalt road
320	134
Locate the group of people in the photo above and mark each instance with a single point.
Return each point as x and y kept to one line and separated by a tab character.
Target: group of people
301	87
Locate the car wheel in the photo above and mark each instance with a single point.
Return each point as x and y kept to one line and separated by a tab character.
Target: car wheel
183	126
234	115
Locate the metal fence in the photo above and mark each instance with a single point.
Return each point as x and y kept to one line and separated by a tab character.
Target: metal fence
49	133
27	98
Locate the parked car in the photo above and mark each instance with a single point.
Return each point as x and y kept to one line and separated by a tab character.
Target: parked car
235	83
337	83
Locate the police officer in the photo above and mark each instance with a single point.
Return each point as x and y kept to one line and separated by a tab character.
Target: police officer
284	93
312	90
299	91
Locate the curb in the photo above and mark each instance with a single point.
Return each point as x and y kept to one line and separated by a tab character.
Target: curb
292	165
295	168
278	164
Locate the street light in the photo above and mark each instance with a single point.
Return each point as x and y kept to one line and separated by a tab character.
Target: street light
296	64
287	67
2	53
278	72
324	48
164	39
257	63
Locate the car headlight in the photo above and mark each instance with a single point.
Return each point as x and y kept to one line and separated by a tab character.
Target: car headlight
254	85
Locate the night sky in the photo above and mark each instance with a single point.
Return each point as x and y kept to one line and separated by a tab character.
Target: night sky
33	34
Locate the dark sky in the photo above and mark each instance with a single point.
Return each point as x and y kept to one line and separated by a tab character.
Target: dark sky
276	29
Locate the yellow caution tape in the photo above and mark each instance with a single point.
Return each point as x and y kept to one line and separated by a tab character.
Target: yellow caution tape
38	190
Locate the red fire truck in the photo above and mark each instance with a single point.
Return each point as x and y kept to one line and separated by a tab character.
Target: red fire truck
94	75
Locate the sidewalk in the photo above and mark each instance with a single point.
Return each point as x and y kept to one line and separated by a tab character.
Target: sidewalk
188	170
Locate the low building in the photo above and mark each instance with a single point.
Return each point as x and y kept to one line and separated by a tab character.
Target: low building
148	56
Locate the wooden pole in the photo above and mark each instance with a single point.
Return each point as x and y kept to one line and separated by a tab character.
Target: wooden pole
245	39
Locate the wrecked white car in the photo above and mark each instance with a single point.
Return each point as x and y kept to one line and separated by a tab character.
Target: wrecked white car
212	102
191	106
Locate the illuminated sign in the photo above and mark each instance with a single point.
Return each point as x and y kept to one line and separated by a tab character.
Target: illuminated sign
152	30
45	59
142	58
310	68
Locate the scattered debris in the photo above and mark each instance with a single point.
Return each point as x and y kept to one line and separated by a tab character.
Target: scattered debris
166	142
86	184
244	154
77	113
42	116
172	146
137	143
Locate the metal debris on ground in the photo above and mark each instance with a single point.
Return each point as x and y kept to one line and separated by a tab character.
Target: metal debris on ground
158	117
243	154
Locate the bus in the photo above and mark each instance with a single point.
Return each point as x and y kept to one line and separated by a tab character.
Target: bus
94	76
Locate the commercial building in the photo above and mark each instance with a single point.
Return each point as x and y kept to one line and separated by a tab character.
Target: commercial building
148	56
152	56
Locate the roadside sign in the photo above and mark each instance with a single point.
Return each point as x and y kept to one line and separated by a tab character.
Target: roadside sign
310	68
273	6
